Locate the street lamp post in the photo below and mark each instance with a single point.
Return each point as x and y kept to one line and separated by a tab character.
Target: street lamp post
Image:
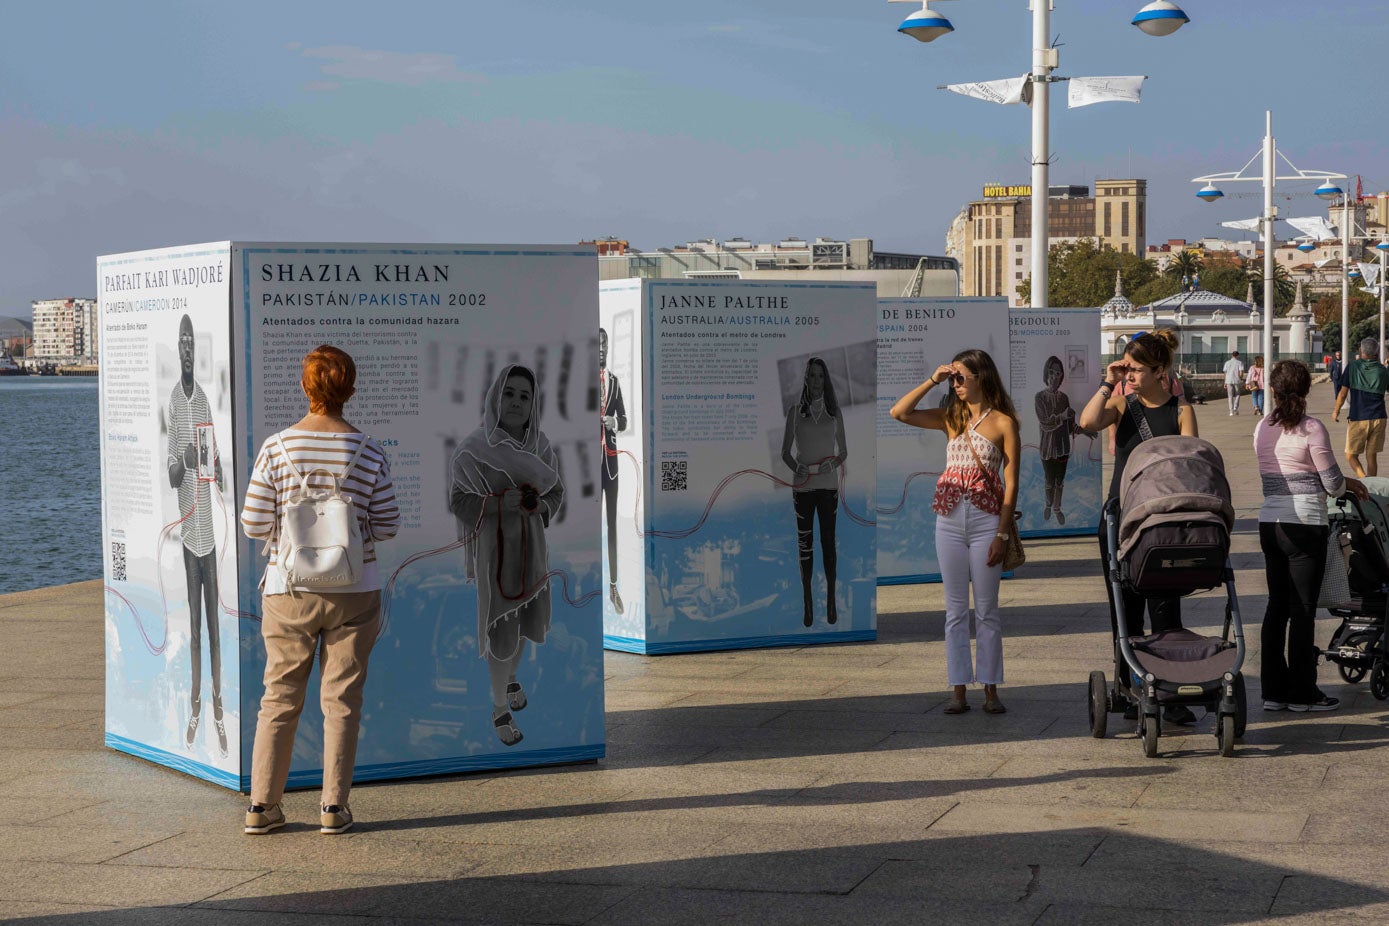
1383	249
1160	17
1269	155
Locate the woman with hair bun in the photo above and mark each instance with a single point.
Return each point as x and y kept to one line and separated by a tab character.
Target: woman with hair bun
1298	469
1143	366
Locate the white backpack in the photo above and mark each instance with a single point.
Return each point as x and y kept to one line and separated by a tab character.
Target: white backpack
320	540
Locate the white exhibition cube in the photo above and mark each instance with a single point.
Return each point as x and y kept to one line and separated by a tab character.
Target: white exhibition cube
741	454
431	328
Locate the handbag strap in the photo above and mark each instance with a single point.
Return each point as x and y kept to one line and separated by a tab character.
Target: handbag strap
985	471
1140	416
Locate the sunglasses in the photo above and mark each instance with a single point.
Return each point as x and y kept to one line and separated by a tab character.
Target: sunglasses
959	379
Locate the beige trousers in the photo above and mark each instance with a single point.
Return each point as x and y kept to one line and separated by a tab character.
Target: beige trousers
343	627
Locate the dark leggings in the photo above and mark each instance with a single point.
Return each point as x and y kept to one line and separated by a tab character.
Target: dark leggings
610	510
1164	613
1054	474
1294	558
825	504
201	574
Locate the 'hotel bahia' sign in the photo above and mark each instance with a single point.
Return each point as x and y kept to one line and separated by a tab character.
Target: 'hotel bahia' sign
999	190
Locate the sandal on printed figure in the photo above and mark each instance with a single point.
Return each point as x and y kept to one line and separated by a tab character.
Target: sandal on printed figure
1060	516
192	734
809	619
515	697
614	597
831	614
507	731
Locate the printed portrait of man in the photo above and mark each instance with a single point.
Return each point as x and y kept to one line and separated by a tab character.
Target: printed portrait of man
194	466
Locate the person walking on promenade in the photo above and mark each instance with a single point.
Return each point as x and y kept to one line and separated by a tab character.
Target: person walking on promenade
1364	381
342	624
1234	380
1335	370
1142	366
1254	379
1298	470
972	503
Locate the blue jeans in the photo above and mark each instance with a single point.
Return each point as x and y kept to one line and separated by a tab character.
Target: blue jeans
1258	396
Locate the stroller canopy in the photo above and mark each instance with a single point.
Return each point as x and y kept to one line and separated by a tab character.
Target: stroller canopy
1172	479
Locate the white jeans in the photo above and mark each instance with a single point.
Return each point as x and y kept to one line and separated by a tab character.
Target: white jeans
962	548
1232	393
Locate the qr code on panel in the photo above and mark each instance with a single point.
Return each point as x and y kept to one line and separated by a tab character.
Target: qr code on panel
118	560
675	475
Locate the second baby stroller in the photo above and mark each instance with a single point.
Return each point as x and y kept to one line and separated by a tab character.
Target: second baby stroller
1169	536
1359	647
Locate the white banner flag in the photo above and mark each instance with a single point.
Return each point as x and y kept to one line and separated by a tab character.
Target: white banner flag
1008	91
1086	90
1243	224
1314	227
1369	273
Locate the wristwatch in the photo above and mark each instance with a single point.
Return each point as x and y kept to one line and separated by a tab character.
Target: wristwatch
1002	536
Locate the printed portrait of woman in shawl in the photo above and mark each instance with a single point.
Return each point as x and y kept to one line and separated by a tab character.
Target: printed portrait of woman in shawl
506	486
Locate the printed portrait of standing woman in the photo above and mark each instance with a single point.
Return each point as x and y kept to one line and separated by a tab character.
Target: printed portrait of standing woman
813	446
506	487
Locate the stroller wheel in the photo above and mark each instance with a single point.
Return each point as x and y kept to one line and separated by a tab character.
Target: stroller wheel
1151	729
1241	706
1099	705
1352	674
1379	682
1225	735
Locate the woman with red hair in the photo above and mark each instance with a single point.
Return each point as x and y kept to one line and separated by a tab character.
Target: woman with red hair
295	621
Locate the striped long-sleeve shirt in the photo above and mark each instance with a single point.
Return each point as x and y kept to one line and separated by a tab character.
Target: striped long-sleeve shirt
186	414
273	480
1298	469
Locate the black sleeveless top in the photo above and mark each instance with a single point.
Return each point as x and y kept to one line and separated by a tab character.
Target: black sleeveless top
1162	421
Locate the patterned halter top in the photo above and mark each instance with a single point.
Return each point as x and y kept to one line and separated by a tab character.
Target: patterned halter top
964	479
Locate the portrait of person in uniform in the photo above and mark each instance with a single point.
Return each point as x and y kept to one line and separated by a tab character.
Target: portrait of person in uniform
814	447
505	488
614	421
194	466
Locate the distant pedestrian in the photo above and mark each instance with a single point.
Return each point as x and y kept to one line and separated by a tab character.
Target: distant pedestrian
1298	470
1364	381
1234	380
1335	370
975	497
341	624
1145	362
1254	380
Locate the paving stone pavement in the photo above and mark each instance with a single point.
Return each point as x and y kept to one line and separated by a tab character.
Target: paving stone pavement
813	785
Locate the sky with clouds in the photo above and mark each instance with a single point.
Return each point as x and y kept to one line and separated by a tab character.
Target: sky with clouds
131	126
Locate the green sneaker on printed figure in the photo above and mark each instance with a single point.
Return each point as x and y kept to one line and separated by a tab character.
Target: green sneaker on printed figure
261	819
334	819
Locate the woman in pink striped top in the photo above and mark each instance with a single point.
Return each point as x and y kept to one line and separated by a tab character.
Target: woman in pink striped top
1298	470
342	623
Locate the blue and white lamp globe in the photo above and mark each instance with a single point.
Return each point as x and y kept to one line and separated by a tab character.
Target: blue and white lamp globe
1382	247
1353	273
1210	193
1305	246
925	25
1161	17
1328	190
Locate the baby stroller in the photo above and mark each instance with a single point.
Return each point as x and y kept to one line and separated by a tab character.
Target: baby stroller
1359	646
1169	535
